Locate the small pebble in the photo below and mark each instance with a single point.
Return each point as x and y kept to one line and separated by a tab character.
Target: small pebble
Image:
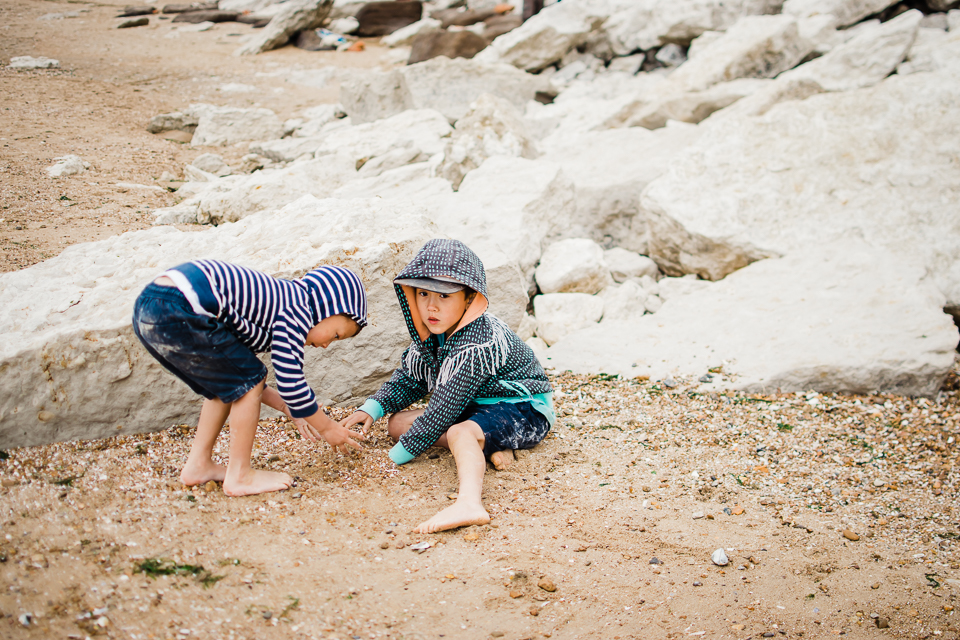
515	594
655	560
384	545
273	458
882	623
719	558
738	510
948	608
471	537
697	515
727	511
698	584
547	585
850	535
768	634
210	487
875	585
496	634
878	483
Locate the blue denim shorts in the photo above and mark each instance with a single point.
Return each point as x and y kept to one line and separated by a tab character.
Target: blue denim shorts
198	349
507	425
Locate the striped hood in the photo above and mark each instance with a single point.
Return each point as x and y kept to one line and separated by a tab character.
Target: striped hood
334	291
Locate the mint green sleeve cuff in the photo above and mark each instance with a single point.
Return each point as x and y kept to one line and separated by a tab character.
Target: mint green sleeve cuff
400	455
372	408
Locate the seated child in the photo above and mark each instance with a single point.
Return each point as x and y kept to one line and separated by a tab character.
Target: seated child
204	321
489	394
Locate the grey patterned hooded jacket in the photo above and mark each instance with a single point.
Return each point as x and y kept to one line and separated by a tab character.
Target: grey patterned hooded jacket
482	360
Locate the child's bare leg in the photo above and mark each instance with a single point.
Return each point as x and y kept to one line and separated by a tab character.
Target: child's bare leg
241	479
466	443
400	422
200	466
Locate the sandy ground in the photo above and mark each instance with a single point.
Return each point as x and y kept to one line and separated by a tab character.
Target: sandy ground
838	514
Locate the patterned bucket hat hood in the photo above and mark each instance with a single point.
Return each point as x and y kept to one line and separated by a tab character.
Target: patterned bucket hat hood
334	291
448	260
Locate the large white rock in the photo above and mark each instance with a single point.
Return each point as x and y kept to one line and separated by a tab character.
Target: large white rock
864	60
223	126
71	368
625	301
840	318
413	182
492	127
424	129
293	17
507	210
610	169
231	199
842	12
628	264
755	47
28	62
286	149
547	36
878	162
448	86
646	24
574	265
684	106
404	36
933	49
560	314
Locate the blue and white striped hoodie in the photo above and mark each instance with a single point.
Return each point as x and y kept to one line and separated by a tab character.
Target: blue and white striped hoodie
270	314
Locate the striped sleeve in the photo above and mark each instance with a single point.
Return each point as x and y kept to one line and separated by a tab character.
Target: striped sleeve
289	335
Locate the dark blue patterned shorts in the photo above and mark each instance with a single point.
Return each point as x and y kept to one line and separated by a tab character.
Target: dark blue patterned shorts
507	425
198	349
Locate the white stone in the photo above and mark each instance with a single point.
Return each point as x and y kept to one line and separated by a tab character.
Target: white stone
424	129
627	64
126	187
653	303
719	558
953	20
393	159
175	121
448	86
649	285
183	213
758	103
671	55
286	149
646	24
934	21
68	165
528	327
933	50
404	36
625	301
236	197
294	16
223	126
574	265
71	367
684	106
755	47
610	169
346	8
844	12
840	317
873	162
560	314
413	182
670	288
492	127
344	26
546	37
27	62
625	264
864	60
212	163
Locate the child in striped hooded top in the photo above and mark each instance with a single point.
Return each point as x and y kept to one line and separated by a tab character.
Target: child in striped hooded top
204	321
488	392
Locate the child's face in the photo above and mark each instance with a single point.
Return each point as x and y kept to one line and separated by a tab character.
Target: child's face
441	311
331	329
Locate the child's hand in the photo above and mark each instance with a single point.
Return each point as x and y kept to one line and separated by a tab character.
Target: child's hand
308	432
358	417
340	438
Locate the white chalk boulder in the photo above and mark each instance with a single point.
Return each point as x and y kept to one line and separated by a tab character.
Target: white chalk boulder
575	265
71	367
224	126
68	165
840	317
560	314
626	264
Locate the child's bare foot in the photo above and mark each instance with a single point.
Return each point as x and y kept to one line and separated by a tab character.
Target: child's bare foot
459	515
502	459
255	481
195	473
